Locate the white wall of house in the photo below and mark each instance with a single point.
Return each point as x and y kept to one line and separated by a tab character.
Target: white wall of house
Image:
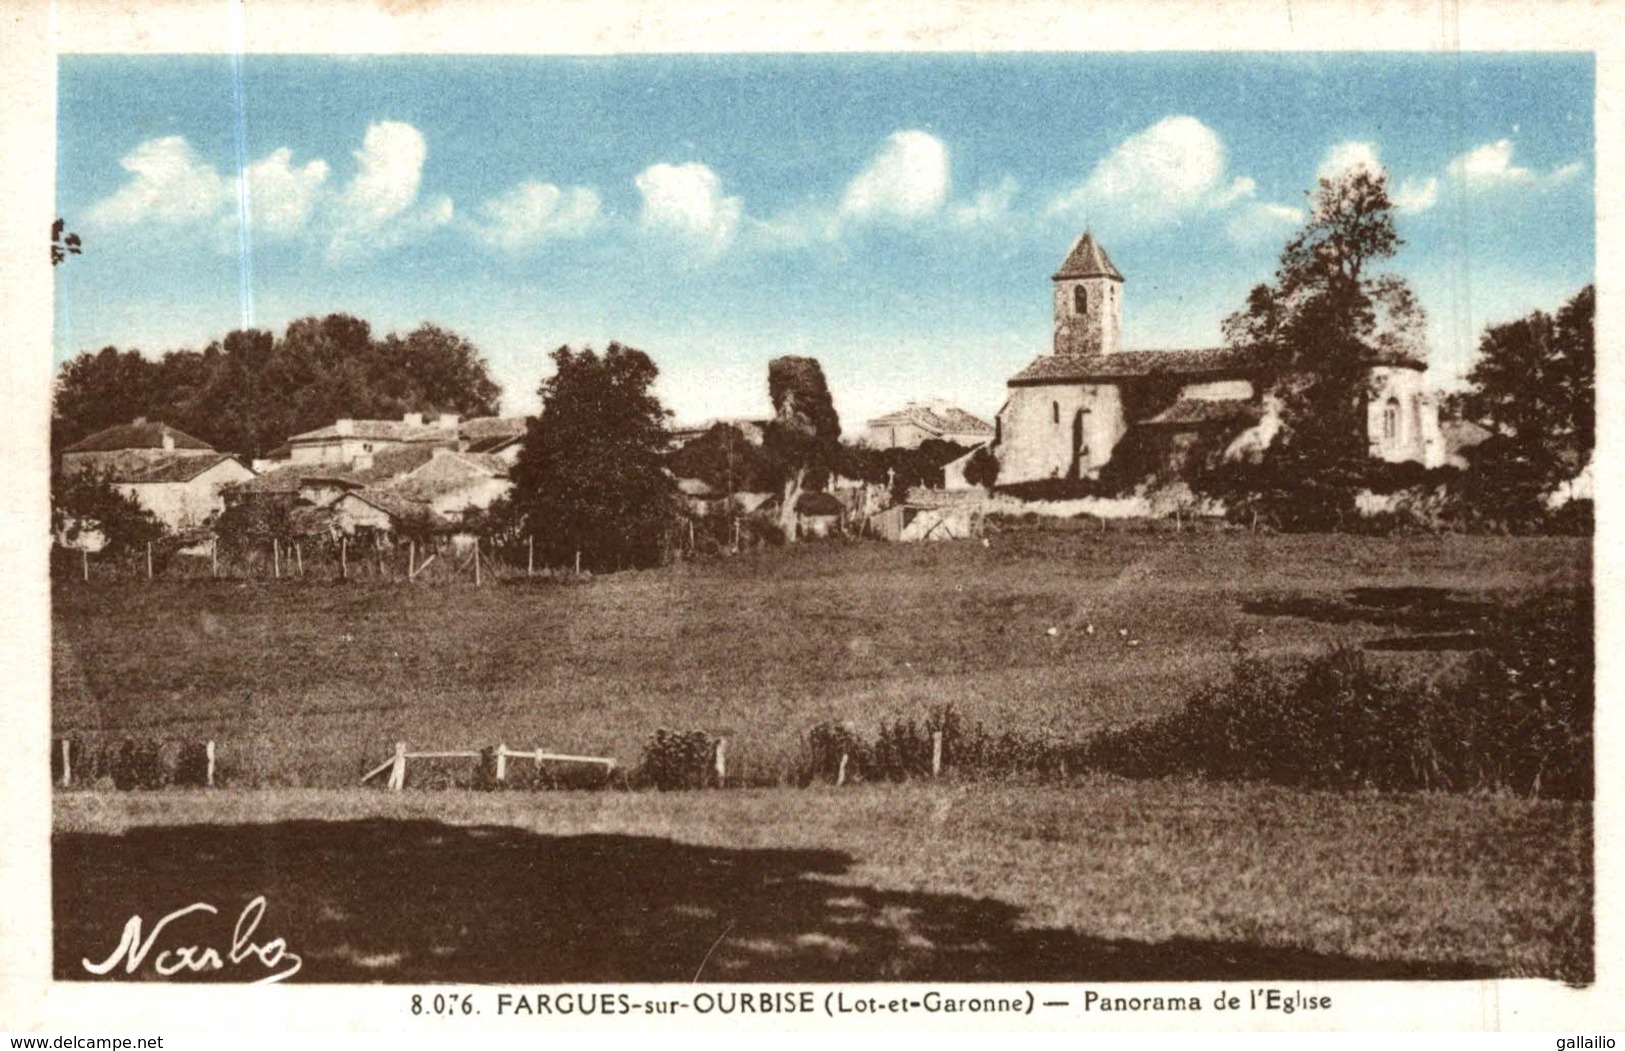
181	505
338	450
479	493
351	513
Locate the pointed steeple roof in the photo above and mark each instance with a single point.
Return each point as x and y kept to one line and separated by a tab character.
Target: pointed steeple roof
1087	259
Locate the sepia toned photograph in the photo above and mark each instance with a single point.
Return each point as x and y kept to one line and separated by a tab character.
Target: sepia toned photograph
887	517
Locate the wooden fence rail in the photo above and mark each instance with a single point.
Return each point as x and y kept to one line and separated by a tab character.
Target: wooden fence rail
396	764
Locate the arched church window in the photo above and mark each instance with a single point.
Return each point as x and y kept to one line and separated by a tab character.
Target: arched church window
1390	419
1080	300
1055	412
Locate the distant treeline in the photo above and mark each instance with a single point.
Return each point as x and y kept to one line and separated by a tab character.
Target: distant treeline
248	392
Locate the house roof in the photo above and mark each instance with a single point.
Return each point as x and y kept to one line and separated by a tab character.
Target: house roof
394	505
378	430
819	504
137	435
446	473
485	428
494	444
938	419
387	464
171	469
1460	435
1086	259
1127	364
1198	412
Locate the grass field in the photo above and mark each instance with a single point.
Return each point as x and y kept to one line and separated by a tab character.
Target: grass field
307	684
1090	879
1097	881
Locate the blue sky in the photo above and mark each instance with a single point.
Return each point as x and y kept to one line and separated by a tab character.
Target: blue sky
896	216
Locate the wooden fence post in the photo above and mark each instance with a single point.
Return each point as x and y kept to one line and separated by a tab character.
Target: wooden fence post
397	773
502	762
936	753
299	556
840	776
476	561
578	561
84	561
67	770
149	560
411	559
530	556
276	558
722	762
214	557
344	558
208	750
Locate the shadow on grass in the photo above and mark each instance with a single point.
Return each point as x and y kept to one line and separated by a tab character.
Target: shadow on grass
421	901
1437	618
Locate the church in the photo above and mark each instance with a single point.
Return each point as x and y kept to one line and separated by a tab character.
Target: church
1070	409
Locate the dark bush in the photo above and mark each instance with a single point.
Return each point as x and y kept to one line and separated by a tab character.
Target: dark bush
1517	718
827	743
192	765
138	764
678	759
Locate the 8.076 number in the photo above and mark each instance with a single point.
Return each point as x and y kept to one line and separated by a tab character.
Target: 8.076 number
443	1004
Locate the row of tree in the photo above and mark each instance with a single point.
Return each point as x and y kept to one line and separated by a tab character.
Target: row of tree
249	392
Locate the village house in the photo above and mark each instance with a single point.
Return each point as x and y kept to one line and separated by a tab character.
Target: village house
494	435
451	483
128	448
919	422
347	441
184	491
1069	409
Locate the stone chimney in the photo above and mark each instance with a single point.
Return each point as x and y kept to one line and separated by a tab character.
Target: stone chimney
169	442
344	428
449	421
413	418
140	421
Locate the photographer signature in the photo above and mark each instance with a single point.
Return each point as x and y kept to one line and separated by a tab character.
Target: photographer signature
132	951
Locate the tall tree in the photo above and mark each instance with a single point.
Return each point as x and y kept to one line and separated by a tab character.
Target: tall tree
804	438
1330	314
1535	379
1534	388
590	473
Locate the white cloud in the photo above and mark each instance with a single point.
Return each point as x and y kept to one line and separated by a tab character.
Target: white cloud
1568	171
281	196
991	205
1173	167
533	213
1490	164
907	179
1347	157
169	184
1412	195
1416	195
1260	220
379	209
686	201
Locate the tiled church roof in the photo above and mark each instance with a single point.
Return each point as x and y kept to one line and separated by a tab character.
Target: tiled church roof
1087	259
1127	364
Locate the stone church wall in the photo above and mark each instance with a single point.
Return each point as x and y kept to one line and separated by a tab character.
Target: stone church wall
1046	431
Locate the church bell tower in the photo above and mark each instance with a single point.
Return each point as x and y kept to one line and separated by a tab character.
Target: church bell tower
1088	301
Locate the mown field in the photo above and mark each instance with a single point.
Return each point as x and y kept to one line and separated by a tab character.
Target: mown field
1042	632
1100	880
1053	632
